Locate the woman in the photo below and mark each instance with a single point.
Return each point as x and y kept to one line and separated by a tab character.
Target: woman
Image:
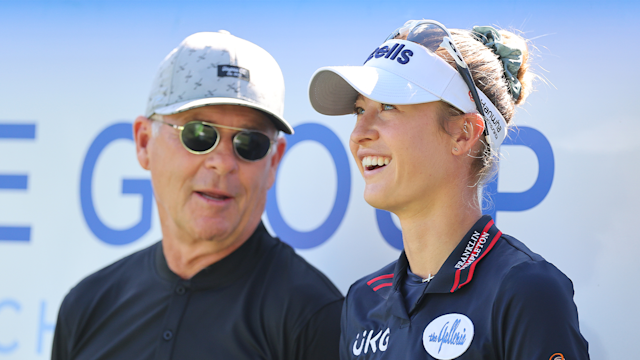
425	141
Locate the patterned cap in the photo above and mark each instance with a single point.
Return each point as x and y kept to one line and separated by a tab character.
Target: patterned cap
217	68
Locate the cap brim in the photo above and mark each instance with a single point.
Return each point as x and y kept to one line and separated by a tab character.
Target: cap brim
334	89
279	122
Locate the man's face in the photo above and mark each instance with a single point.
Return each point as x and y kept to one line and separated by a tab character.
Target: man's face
217	196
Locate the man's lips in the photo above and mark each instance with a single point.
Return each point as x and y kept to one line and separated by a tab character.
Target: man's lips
214	195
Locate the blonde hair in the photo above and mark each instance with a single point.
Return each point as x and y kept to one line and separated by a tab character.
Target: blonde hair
488	74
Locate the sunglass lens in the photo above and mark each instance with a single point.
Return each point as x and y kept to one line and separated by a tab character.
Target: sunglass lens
251	145
199	137
427	35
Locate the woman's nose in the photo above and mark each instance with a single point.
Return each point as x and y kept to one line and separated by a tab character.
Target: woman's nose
365	129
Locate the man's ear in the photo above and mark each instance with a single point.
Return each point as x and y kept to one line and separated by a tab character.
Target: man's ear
465	131
142	134
281	145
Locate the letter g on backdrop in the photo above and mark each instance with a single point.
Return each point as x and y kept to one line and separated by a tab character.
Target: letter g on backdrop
129	186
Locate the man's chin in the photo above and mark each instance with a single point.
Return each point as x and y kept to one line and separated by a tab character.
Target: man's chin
212	229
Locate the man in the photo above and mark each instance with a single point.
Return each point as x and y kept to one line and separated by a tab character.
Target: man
217	285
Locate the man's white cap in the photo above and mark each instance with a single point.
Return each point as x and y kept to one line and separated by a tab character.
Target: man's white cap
217	68
399	72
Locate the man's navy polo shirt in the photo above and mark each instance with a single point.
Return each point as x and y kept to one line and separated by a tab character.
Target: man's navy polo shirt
492	299
263	301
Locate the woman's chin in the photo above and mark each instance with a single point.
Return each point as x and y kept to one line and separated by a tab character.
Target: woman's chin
378	200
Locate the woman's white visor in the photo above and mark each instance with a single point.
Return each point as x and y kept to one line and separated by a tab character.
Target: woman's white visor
399	72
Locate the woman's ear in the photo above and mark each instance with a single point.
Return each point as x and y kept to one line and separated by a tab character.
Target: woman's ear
465	131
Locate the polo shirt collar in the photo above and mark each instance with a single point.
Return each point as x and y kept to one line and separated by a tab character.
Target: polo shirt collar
457	271
229	269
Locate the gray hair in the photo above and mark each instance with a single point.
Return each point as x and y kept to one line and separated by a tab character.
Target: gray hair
156	123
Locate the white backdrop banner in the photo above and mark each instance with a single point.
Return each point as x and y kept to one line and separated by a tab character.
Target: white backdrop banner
74	75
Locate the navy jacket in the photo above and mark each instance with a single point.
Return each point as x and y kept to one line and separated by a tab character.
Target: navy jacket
492	299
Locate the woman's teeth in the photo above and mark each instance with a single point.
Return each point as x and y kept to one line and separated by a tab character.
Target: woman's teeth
372	162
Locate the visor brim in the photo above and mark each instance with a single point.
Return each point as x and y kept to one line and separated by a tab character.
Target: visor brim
333	90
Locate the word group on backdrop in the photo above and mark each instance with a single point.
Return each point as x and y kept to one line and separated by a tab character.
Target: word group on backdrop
525	136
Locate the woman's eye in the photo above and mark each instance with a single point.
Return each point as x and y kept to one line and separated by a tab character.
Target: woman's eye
387	107
358	110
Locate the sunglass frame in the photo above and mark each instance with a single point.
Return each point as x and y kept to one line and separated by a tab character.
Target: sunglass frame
215	126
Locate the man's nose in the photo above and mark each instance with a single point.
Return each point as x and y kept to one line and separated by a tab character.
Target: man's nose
223	158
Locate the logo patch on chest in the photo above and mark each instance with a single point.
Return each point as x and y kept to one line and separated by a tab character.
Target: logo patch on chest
448	336
371	342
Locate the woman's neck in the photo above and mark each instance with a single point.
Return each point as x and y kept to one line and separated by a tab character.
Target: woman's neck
431	235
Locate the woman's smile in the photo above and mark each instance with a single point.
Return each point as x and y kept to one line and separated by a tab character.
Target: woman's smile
374	162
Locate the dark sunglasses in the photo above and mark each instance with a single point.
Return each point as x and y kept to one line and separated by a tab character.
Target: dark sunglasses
200	137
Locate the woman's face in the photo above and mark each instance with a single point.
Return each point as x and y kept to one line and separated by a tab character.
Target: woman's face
403	154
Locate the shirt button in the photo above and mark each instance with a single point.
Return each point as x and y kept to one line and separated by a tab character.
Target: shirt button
167	335
180	290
